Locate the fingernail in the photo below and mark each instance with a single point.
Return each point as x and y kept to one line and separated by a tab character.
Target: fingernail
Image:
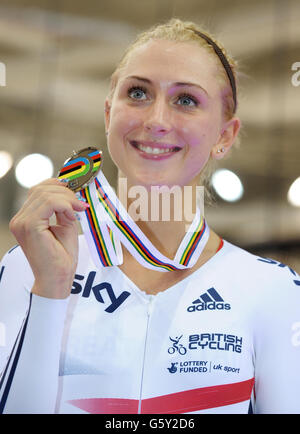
66	180
86	205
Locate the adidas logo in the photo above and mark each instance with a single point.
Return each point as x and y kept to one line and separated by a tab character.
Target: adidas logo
210	300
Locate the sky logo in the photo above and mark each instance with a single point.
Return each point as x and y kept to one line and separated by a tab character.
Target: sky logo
209	300
98	291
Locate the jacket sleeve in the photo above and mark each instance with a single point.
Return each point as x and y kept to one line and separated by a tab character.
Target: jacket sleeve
277	346
31	330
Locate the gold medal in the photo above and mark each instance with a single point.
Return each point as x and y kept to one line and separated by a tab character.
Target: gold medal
81	168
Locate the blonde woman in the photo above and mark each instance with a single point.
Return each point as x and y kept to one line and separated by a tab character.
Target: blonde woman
217	334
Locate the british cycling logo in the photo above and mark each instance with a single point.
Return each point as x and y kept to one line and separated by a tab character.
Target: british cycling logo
98	290
176	347
209	300
211	341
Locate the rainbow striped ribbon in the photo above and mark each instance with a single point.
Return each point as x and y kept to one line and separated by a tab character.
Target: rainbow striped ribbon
106	224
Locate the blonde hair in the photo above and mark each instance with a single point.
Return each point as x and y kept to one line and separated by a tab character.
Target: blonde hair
185	31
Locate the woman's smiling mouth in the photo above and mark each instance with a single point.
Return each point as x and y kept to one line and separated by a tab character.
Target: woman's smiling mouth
154	150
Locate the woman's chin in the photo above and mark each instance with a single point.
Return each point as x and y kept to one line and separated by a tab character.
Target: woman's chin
149	181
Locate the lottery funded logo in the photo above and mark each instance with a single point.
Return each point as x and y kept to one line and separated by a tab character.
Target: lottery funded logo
200	367
189	366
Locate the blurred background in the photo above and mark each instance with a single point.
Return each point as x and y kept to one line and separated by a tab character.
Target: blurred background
56	59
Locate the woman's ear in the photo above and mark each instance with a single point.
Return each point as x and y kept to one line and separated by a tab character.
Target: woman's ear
107	114
227	137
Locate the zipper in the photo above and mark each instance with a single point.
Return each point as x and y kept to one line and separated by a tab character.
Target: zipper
149	312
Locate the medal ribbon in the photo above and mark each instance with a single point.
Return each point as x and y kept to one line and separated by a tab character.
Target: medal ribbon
106	224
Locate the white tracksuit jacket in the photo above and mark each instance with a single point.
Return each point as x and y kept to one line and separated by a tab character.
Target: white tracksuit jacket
223	340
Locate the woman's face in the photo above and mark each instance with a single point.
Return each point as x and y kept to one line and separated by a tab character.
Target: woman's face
165	117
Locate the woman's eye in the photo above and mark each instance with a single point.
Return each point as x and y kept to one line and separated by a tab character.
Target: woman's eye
187	101
137	93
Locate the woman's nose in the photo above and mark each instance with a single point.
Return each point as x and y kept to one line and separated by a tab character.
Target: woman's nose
158	120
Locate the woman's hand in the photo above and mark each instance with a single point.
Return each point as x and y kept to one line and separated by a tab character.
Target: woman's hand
52	251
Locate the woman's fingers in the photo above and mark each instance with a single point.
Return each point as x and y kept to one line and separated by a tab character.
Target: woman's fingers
51	250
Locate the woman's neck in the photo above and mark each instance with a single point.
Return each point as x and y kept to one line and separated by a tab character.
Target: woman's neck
163	214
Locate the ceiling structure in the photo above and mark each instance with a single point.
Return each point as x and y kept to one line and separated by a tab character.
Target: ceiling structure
59	56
